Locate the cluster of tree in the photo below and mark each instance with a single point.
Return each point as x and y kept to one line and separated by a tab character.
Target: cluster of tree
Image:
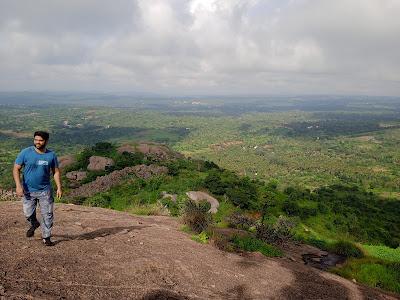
348	210
330	128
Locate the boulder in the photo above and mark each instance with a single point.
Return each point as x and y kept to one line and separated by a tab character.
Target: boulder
76	175
66	160
165	195
198	196
104	183
99	163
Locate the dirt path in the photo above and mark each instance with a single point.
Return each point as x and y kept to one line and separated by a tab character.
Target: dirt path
104	254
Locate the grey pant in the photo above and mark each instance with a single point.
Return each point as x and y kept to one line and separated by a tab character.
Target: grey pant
46	203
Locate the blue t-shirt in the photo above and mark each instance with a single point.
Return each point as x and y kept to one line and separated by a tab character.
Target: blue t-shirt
37	168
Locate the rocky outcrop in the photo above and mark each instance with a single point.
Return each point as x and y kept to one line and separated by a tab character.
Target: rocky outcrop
76	175
104	183
126	148
65	161
198	196
151	150
99	163
106	254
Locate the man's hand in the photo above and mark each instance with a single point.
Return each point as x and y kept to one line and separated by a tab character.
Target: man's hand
18	186
59	193
19	191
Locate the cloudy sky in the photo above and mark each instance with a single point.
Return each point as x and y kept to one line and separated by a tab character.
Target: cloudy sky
179	47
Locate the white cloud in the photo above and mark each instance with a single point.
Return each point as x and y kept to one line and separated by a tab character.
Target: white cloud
209	46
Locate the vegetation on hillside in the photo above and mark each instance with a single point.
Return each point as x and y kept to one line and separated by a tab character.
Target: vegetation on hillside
327	175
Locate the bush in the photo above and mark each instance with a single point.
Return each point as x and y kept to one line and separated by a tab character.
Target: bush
202	237
173	206
222	242
251	244
284	229
196	215
347	249
208	165
214	183
321	244
280	233
240	221
127	159
99	201
103	149
291	208
266	233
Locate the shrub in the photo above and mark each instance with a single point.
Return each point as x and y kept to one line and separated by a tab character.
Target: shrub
103	149
222	242
127	159
251	244
347	249
321	244
291	208
280	233
243	197
202	237
214	183
196	215
240	221
99	201
266	233
173	206
208	165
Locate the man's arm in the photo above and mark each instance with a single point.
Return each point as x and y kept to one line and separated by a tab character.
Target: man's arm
57	179
18	186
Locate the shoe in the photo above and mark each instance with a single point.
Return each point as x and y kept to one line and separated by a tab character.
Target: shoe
31	231
48	242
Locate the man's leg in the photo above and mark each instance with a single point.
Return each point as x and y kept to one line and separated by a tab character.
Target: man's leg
46	202
29	203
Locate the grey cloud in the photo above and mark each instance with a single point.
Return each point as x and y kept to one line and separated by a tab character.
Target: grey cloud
87	17
178	46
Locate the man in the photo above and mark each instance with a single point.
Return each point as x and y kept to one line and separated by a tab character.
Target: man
38	161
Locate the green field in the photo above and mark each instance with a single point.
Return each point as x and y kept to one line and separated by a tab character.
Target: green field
292	144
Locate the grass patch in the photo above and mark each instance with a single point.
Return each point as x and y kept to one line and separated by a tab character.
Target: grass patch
383	252
372	272
251	244
153	209
186	229
201	238
225	209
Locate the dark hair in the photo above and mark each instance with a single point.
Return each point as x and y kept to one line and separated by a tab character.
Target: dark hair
43	134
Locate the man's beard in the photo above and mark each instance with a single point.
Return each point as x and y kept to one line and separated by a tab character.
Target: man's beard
40	147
